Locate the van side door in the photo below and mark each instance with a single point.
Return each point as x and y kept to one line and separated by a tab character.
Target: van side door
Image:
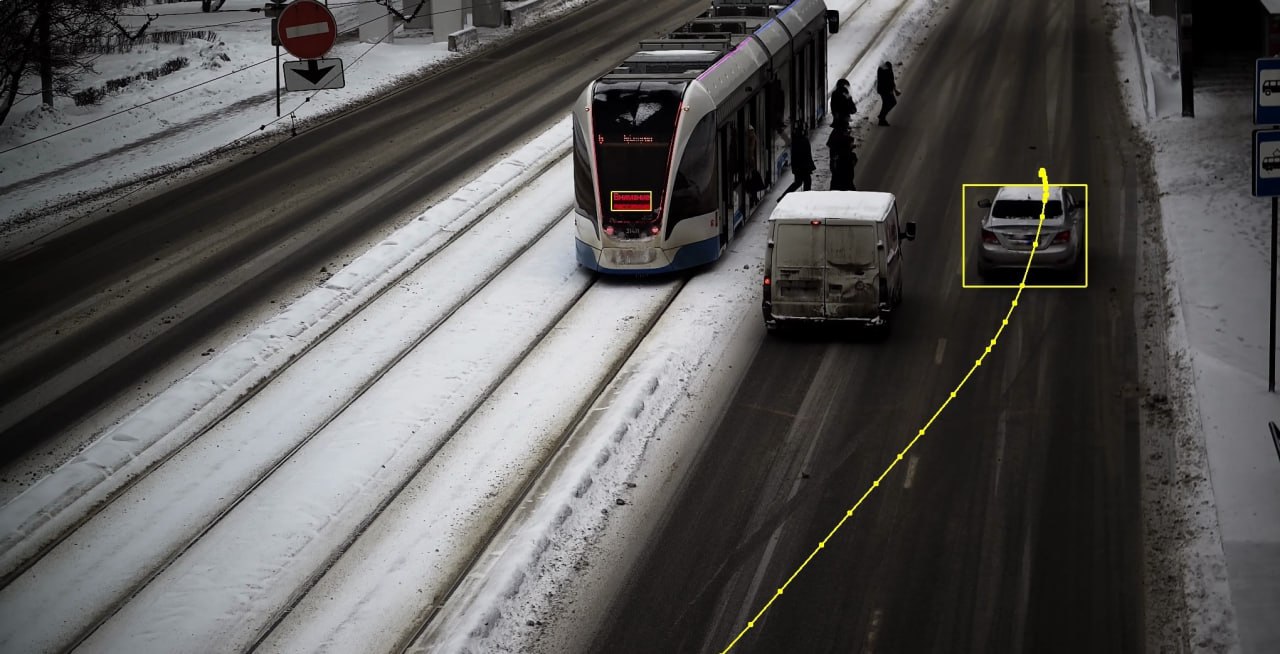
799	270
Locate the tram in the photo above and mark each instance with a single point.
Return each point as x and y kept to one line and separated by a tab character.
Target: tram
668	146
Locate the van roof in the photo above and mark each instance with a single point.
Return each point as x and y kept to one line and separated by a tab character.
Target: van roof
857	205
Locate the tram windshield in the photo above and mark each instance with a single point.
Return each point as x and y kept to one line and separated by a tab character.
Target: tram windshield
634	123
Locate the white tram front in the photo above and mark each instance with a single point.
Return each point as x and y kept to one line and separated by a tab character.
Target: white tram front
667	146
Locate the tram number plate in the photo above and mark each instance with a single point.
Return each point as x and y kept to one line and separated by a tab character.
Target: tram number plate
634	256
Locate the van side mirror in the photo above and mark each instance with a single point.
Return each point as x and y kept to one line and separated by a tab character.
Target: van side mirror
833	21
911	230
984	203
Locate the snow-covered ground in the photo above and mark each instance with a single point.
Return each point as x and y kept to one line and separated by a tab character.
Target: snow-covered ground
223	95
562	549
1218	245
683	352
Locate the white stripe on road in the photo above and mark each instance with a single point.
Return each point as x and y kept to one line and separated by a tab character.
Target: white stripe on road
911	470
310	29
942	347
873	631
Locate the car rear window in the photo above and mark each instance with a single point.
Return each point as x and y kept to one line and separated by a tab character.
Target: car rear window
1025	209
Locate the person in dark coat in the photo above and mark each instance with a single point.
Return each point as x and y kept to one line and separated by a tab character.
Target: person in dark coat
801	160
842	105
888	90
843	159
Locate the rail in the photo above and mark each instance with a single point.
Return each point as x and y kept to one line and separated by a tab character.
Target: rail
1275	436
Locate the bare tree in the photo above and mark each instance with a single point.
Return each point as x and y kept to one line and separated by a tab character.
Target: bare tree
48	44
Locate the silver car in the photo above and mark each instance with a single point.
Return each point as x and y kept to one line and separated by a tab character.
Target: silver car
1009	228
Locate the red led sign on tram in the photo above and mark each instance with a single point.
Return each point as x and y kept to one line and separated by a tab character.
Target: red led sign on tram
630	201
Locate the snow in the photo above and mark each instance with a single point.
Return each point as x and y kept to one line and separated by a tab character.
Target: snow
224	96
1216	236
852	205
673	54
338	454
32	519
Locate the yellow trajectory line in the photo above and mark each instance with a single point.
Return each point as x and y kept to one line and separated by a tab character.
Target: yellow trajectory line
1044	199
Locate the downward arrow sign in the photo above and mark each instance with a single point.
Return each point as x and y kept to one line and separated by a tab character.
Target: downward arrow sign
314	73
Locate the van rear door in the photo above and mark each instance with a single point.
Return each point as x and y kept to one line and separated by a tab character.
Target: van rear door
799	265
852	280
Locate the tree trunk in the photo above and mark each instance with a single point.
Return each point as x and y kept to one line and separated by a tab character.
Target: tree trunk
46	53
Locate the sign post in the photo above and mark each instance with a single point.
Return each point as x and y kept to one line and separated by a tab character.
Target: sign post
308	30
1266	183
272	10
1266	175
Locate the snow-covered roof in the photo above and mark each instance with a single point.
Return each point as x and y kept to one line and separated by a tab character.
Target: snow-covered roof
1027	193
1272	6
677	55
809	205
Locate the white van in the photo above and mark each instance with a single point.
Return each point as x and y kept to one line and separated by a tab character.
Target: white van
834	256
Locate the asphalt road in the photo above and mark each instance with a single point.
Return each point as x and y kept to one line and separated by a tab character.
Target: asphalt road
97	309
1013	525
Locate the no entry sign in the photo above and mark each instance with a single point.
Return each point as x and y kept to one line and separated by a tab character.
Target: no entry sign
306	29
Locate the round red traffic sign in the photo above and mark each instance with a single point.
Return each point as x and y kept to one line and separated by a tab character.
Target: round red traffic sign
306	29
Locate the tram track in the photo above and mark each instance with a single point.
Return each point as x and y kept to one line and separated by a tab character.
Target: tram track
72	567
20	547
274	509
69	565
100	629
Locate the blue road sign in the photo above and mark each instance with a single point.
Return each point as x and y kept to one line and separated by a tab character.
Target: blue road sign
1266	92
1266	163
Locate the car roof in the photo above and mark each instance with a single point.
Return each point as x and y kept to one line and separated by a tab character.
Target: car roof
816	205
1033	192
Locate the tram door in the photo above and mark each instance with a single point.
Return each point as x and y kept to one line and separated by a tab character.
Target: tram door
730	178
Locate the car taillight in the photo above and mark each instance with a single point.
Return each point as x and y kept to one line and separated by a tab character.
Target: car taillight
766	280
609	230
653	230
1063	237
989	236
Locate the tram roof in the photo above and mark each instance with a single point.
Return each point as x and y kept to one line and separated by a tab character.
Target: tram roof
695	46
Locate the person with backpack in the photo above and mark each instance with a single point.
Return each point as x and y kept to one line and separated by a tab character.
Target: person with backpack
887	88
801	160
842	104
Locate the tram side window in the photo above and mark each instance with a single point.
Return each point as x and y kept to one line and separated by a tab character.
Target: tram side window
694	192
584	192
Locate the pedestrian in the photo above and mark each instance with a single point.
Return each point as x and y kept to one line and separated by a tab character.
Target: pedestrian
843	159
888	90
801	159
842	104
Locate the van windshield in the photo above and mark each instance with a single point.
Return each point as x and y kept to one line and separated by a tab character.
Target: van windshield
851	245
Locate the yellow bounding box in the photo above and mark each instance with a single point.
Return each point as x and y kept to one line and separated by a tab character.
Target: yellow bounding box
967	242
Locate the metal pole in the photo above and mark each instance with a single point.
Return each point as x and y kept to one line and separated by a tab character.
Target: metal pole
1186	64
277	81
1271	368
